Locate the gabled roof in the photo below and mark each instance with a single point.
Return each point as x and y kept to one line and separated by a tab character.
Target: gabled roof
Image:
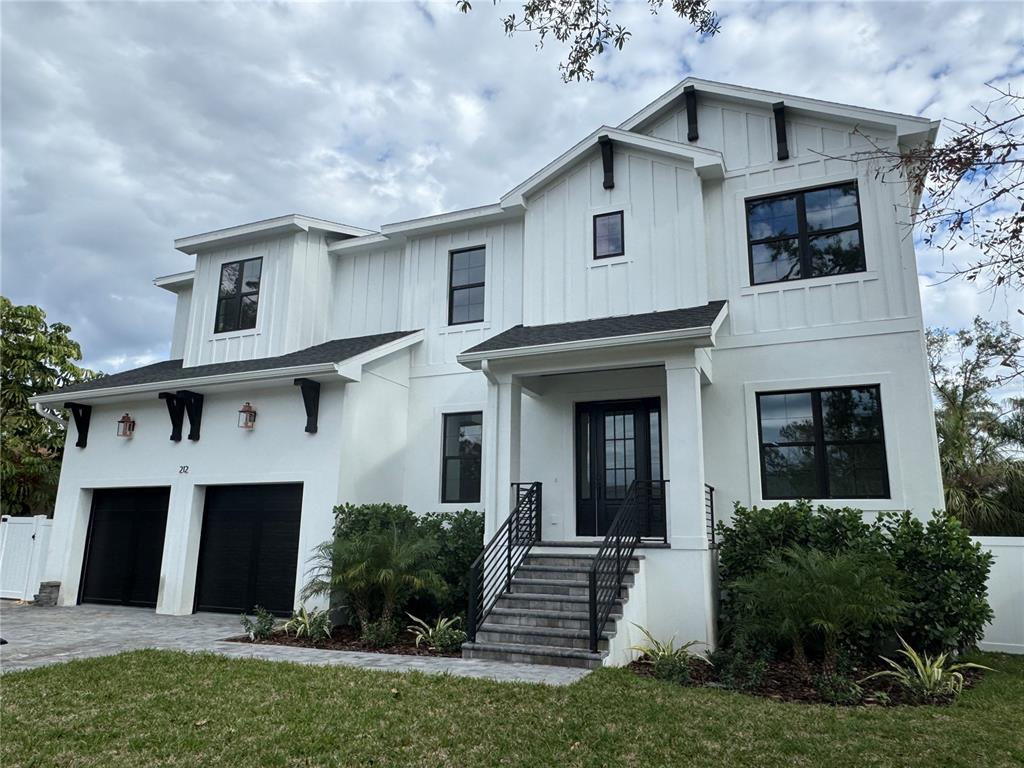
281	224
904	125
707	162
673	324
328	357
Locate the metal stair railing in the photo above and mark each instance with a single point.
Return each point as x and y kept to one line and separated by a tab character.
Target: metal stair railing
491	574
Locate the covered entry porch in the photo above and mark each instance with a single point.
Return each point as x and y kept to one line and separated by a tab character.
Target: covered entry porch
593	448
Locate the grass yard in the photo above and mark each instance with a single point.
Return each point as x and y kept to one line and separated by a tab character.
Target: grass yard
173	709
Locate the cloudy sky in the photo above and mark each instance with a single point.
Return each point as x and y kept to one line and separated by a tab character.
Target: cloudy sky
127	125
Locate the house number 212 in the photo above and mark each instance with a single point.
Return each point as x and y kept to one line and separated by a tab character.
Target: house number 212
183	469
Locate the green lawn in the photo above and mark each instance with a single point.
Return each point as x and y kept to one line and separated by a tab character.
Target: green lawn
172	709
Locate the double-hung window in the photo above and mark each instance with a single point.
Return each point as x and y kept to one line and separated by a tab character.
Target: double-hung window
466	286
460	457
238	295
809	233
822	444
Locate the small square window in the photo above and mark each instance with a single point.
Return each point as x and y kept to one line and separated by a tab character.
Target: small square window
609	238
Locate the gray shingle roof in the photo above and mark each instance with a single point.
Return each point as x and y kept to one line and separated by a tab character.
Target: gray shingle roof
171	370
602	328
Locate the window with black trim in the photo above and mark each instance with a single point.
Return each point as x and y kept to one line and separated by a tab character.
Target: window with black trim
466	286
609	236
822	444
238	295
803	234
460	457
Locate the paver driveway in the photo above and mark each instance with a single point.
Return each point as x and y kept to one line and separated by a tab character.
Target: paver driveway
39	636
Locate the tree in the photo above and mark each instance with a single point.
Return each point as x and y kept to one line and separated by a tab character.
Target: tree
587	28
980	440
35	357
972	187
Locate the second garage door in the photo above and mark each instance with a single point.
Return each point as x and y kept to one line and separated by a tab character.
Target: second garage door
249	549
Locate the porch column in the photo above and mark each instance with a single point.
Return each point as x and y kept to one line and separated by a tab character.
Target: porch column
685	469
502	425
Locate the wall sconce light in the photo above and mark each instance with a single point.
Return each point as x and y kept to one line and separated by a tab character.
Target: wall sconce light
126	426
246	416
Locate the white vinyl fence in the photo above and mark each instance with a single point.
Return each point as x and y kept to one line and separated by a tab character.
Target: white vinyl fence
24	542
1005	594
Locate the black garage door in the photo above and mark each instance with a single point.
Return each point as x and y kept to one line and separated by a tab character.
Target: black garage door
124	546
249	549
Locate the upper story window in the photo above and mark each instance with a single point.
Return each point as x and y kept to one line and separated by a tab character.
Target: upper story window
466	286
822	444
460	457
810	233
609	237
239	295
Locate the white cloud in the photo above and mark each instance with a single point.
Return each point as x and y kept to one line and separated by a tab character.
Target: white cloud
126	126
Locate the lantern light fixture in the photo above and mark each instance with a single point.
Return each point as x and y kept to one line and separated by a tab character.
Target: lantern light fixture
126	426
246	416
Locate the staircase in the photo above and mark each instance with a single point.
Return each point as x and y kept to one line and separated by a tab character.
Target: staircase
545	617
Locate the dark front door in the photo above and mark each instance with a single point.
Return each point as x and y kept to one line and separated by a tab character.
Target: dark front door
249	548
124	546
617	442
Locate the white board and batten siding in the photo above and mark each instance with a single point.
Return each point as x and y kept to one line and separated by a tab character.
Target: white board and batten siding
1005	594
24	543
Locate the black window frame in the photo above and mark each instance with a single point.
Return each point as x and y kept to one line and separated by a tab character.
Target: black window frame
239	295
445	457
802	236
819	442
453	288
622	231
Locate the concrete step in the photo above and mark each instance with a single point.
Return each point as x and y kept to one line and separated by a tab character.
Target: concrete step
542	618
581	562
566	572
547	602
559	586
511	634
533	654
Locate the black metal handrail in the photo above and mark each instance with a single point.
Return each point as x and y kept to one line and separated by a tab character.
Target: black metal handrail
491	573
709	514
631	524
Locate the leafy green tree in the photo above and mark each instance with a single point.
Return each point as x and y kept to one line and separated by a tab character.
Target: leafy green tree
35	357
980	440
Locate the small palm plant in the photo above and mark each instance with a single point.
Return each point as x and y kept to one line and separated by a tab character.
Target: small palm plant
927	678
377	572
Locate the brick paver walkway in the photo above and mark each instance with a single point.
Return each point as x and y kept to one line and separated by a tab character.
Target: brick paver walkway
40	636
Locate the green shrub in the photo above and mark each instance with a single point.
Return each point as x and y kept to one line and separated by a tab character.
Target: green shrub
835	688
379	634
355	520
460	540
741	667
940	572
315	624
444	636
261	626
946	573
805	593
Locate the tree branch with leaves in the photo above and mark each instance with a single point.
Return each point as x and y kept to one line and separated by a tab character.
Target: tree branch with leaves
587	28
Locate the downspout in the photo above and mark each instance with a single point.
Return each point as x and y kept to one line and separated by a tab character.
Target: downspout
49	416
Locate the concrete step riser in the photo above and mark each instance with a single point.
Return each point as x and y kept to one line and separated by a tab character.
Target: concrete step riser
581	563
493	635
554	604
530	658
525	620
568	588
582	577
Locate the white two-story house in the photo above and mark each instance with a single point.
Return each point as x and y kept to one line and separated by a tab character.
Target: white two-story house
705	305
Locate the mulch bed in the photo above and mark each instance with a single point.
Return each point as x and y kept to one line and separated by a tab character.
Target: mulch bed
783	681
345	639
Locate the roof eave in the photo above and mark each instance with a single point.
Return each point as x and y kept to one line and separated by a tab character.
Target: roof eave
176	282
280	225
